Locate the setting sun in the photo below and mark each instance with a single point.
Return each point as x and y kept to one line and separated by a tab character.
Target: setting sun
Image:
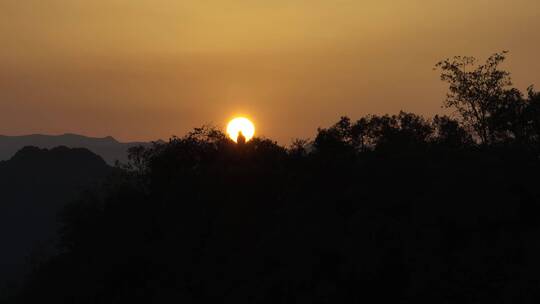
240	125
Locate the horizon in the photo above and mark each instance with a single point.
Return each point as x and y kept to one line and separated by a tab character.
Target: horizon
69	134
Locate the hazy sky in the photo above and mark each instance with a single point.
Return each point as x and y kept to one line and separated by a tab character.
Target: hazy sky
148	69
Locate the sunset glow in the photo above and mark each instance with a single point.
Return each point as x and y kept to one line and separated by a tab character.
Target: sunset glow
243	125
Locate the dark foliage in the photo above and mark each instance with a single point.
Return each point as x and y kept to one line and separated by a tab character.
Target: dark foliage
387	209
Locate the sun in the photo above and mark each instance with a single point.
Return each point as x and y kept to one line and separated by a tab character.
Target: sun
240	125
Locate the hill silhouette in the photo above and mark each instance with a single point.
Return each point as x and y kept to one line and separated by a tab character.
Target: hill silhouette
35	185
109	148
384	208
201	219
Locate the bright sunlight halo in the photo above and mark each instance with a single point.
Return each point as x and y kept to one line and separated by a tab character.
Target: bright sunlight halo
240	124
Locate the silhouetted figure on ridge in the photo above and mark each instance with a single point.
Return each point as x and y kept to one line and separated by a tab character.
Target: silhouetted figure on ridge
241	139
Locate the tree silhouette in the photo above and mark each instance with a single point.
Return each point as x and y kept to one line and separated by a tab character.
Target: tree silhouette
450	134
385	208
476	93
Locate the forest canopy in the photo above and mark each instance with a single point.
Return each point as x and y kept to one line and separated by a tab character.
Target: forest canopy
396	208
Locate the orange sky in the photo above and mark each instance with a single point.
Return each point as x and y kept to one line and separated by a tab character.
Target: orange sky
148	69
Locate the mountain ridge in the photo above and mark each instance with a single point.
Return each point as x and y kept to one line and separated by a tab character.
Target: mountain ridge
109	148
36	184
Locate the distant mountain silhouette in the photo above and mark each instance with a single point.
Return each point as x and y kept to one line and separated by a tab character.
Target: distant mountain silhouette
109	148
35	184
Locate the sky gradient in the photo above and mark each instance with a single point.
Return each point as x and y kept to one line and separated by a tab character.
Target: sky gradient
149	69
